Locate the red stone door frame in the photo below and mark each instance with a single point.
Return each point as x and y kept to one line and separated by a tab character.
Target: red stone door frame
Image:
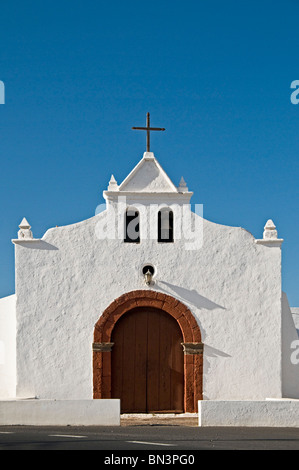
193	347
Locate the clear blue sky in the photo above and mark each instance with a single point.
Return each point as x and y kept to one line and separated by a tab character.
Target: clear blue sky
216	74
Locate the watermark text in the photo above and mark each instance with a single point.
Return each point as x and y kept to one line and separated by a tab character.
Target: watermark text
294	96
2	93
158	222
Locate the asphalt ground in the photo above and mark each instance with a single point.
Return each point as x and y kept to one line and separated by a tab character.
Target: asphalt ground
147	437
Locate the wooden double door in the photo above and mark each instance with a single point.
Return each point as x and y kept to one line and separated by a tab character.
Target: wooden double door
147	362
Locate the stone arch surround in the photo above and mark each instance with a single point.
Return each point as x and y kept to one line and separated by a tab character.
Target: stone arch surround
193	347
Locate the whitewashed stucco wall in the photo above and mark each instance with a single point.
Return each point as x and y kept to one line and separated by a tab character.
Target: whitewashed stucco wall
8	347
231	284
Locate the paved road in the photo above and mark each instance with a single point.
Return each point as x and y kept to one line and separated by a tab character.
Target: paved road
152	435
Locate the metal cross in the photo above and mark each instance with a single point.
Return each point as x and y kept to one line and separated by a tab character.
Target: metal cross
148	129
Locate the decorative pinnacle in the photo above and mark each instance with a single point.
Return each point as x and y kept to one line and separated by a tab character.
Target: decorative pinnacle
25	233
25	224
182	186
112	184
270	230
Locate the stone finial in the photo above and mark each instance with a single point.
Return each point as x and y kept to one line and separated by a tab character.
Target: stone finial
25	233
183	186
270	231
270	236
113	186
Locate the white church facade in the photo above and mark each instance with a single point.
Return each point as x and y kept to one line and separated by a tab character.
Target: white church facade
149	303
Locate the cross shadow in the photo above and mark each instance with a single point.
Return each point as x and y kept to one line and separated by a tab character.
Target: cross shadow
191	296
213	352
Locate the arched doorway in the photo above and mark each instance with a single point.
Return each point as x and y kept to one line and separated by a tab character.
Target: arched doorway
192	346
148	362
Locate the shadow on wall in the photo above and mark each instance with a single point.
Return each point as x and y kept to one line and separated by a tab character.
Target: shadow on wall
191	296
200	302
209	353
213	352
38	245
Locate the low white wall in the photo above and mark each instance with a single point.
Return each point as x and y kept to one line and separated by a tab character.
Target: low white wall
60	412
8	347
268	413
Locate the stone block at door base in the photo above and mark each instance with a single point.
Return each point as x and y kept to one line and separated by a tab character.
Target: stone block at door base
266	413
60	412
